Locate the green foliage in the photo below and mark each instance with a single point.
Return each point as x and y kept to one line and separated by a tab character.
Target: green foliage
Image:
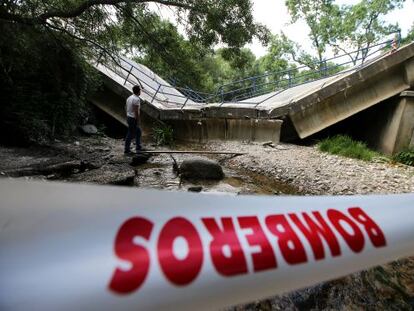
206	23
410	36
163	135
342	28
44	84
405	157
345	146
318	15
361	25
138	29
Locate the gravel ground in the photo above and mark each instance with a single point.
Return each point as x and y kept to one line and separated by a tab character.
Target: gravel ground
304	170
386	287
314	172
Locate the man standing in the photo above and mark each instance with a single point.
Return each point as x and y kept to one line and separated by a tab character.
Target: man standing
132	108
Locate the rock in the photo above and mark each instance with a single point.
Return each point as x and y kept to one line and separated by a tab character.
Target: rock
124	181
89	129
281	147
139	159
195	189
76	143
268	144
201	169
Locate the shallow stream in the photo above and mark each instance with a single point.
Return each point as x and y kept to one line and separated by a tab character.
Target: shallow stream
158	174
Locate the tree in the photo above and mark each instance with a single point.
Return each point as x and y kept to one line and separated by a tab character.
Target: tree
361	25
343	29
318	15
278	61
47	42
410	36
207	22
44	85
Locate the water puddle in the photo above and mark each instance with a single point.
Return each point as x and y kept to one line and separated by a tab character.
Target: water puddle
160	175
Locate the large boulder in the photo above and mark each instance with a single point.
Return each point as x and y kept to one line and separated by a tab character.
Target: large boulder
201	169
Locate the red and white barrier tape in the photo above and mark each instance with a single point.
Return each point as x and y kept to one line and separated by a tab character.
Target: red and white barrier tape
81	247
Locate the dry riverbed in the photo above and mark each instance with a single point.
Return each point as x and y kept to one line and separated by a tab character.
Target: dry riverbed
282	169
314	172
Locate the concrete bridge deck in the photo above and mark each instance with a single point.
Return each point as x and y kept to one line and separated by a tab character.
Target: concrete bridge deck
311	106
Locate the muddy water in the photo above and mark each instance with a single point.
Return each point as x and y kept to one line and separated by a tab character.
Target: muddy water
158	174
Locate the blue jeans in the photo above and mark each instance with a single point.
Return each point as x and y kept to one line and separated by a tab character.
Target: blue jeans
133	130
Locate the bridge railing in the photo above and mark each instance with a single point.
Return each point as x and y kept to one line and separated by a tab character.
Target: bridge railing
272	83
154	86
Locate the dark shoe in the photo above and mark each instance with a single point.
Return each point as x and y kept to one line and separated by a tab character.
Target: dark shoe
128	153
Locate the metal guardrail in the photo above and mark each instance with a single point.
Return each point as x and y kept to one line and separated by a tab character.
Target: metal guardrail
239	91
243	89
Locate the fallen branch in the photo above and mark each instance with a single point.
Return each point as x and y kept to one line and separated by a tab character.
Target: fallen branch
65	168
193	152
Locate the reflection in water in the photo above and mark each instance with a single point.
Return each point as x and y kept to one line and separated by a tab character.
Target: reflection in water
161	176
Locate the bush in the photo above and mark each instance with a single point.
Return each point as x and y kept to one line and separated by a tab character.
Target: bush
163	135
345	146
44	84
405	157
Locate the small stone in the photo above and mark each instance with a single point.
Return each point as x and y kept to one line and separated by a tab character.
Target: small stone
195	189
76	143
89	129
268	144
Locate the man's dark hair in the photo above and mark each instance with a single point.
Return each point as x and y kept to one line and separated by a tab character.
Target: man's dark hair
136	89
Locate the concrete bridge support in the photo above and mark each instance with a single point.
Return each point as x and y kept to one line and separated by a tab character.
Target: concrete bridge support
206	129
357	92
190	126
397	131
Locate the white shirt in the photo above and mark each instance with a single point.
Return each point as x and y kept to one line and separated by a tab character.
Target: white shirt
132	101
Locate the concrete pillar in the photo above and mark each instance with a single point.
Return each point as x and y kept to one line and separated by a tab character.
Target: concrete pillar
267	130
398	128
238	129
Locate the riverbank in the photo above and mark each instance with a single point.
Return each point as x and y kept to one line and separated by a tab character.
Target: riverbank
318	173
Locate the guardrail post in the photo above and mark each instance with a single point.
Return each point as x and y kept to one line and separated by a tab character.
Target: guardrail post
324	68
99	57
185	103
395	44
254	86
289	79
129	73
153	97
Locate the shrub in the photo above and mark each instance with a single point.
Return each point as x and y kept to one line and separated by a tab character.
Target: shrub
163	135
405	157
44	85
344	145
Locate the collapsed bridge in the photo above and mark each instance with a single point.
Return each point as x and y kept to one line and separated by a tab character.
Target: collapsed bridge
375	96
